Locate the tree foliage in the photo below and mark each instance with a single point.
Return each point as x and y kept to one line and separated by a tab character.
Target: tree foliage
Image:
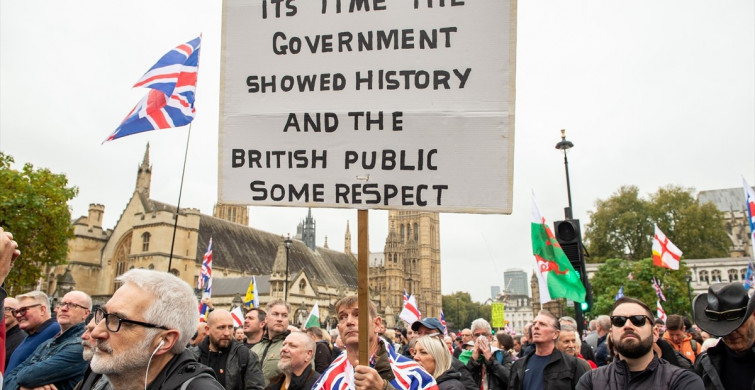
460	311
34	207
614	273
622	225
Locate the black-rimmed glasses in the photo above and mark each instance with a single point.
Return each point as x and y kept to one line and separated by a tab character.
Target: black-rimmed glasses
637	320
21	311
727	315
113	321
71	305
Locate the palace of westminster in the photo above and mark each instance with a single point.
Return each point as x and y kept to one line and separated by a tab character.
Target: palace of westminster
410	261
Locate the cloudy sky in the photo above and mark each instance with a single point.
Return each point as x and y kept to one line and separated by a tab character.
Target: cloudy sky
651	93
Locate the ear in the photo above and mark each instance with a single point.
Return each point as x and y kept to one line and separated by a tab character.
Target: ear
556	334
170	337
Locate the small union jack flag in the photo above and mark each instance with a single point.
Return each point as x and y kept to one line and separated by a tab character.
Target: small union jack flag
443	322
658	290
170	101
205	280
407	374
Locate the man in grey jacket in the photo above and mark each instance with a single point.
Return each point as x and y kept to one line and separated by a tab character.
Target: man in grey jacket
235	366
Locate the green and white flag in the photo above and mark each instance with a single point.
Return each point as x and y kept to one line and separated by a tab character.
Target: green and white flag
314	317
556	276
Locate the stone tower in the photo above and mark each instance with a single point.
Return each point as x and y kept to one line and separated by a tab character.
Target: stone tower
556	307
144	175
347	240
308	230
418	235
232	213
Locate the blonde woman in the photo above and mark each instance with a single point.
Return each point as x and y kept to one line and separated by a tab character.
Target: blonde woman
433	355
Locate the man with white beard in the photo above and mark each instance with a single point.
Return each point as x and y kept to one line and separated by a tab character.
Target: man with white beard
141	333
637	367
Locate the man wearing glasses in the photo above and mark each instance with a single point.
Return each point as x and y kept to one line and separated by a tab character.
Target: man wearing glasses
140	335
546	367
33	316
14	335
727	311
59	360
637	367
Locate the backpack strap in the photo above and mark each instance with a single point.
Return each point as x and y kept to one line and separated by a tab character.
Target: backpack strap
186	384
242	353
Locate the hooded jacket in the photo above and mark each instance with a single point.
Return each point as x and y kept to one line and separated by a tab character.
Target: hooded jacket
241	372
659	374
184	368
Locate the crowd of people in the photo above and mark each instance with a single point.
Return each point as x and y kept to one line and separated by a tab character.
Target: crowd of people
149	336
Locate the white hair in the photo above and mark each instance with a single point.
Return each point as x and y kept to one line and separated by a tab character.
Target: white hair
174	307
482	324
36	296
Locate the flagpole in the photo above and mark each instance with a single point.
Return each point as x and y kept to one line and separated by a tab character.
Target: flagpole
363	291
178	206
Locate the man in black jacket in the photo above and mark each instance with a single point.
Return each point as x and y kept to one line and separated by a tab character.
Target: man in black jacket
490	366
236	367
546	367
141	334
296	364
726	311
637	367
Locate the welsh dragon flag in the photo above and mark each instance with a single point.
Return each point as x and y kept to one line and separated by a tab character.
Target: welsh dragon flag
556	276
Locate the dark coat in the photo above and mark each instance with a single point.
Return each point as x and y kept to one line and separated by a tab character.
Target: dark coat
241	373
561	372
659	374
322	355
182	368
450	380
709	364
305	381
498	373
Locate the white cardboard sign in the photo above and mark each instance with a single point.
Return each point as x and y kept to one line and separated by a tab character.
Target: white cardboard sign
368	104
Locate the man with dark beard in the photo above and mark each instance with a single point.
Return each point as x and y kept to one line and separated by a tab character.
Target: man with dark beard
636	366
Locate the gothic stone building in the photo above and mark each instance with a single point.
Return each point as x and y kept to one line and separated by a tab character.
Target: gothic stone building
141	238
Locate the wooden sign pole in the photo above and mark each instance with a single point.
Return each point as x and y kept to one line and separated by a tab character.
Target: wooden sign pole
363	290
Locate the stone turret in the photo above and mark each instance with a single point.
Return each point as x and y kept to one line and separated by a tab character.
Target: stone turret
96	212
144	176
347	240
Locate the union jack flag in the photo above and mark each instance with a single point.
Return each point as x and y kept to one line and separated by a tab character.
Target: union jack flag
750	199
406	296
408	374
658	290
443	322
205	280
170	101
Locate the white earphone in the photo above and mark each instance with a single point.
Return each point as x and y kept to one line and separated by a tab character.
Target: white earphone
162	342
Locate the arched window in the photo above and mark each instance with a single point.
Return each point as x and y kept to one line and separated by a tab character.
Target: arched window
402	233
743	272
733	275
145	241
704	276
416	232
715	275
302	286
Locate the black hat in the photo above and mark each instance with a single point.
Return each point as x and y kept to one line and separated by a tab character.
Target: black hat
723	308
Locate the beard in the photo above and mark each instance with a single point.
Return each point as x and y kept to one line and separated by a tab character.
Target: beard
633	348
135	357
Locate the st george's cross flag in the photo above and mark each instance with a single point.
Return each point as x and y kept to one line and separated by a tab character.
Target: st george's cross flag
665	253
238	316
407	374
410	313
556	276
204	283
660	313
172	83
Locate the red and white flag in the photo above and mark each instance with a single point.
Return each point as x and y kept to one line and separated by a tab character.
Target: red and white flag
665	253
660	313
410	313
238	317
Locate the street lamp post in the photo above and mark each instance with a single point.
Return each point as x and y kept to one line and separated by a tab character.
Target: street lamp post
689	292
288	247
566	145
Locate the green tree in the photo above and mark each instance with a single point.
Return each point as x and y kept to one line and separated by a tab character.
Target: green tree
614	273
34	207
460	310
622	225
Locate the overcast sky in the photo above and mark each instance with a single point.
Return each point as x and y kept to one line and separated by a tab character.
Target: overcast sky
651	93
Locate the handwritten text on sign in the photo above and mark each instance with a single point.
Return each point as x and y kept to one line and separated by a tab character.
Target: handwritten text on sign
368	104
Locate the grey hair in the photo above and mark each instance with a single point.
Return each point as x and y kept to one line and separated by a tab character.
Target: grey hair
482	324
36	296
174	305
604	322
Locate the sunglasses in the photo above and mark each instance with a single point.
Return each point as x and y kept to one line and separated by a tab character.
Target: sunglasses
728	315
637	320
22	311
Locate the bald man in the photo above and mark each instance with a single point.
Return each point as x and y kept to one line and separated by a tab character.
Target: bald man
236	366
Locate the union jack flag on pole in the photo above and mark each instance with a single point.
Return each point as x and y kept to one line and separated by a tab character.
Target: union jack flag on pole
407	374
658	290
750	199
170	102
443	322
205	281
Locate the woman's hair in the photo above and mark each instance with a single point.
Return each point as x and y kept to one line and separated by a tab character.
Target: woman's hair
439	351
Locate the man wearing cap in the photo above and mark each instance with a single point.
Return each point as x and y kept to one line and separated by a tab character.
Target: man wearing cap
726	311
431	326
